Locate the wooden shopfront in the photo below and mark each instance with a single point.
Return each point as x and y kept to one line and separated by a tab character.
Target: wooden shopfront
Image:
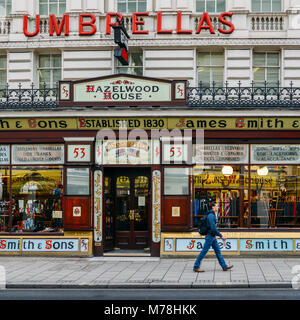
103	182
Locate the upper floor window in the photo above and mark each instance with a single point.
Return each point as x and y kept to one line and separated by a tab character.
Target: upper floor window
49	70
266	5
266	67
5	8
132	6
57	7
3	71
135	67
210	5
210	67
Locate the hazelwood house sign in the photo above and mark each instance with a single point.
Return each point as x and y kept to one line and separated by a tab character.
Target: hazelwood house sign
122	90
87	24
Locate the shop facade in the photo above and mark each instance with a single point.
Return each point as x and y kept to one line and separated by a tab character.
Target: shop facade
121	159
112	182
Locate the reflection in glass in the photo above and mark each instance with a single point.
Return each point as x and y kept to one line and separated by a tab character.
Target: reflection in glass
176	181
4	199
141	192
211	184
78	181
275	196
37	199
122	203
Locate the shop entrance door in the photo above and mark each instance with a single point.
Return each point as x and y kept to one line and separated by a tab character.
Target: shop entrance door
131	199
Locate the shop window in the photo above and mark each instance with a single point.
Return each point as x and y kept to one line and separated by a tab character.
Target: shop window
266	5
210	5
57	7
135	64
210	67
141	193
129	6
4	199
3	71
275	187
224	184
49	70
78	181
5	8
176	181
266	67
37	199
275	196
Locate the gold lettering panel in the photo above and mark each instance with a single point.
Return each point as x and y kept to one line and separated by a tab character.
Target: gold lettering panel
148	123
156	205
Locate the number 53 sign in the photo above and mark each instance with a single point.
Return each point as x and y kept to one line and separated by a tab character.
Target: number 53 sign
79	153
176	152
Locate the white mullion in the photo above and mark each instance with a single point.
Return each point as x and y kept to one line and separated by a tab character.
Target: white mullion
266	66
51	71
271	5
210	70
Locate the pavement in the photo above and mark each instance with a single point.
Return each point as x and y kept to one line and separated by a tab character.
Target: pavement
146	272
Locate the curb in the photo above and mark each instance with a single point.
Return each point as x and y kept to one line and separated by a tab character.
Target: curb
159	285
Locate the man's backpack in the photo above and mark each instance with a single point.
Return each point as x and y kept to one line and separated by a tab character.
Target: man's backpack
203	226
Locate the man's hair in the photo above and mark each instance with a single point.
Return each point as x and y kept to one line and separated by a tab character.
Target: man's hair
211	204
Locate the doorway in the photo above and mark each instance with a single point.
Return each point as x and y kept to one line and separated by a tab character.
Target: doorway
127	203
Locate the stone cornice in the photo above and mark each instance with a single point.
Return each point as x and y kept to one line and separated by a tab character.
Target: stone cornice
148	43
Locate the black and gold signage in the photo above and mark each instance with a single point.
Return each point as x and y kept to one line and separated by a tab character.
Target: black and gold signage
150	123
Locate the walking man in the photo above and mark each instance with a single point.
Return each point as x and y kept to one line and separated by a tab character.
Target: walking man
210	239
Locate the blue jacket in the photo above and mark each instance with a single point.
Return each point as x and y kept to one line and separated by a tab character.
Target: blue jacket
212	224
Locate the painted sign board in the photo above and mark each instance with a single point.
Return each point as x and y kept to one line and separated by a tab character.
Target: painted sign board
148	123
250	245
195	245
38	154
50	245
122	89
127	152
43	245
221	153
275	154
79	153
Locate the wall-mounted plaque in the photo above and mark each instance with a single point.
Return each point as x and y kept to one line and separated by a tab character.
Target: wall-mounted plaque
126	152
275	153
221	153
4	154
175	211
38	154
79	153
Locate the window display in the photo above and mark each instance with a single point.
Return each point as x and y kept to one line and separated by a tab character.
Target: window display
4	199
265	194
275	196
224	184
37	199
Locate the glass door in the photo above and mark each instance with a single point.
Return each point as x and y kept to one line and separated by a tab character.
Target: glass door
131	209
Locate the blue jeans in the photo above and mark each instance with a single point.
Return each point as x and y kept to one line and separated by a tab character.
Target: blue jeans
210	241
